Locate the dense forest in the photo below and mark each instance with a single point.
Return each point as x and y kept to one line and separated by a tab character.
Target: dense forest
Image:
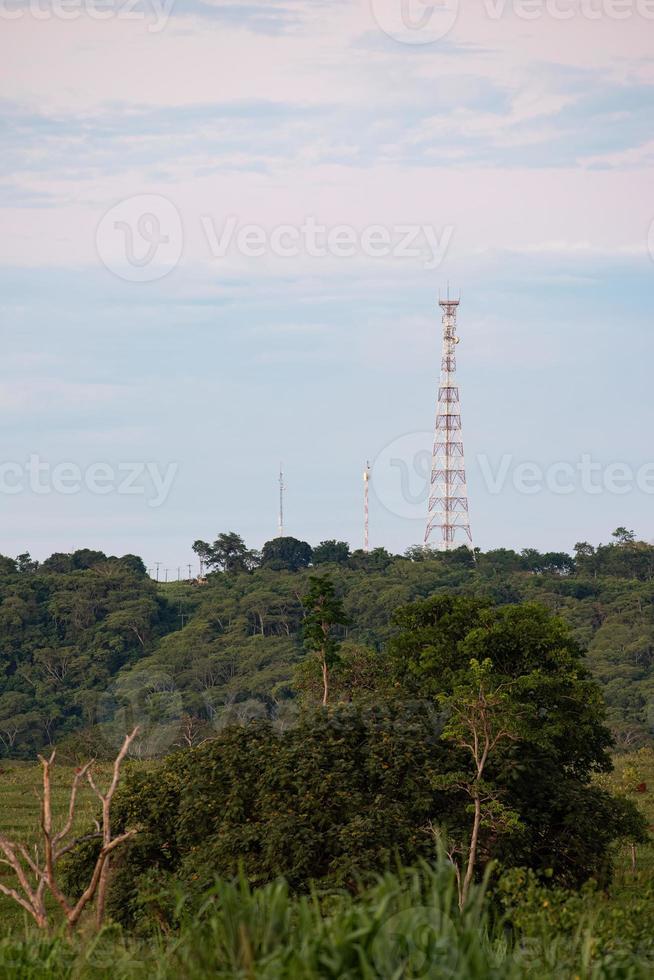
89	643
323	740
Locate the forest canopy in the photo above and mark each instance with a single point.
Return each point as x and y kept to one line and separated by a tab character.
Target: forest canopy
89	641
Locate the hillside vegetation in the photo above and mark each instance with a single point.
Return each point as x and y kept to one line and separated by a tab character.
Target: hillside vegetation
90	644
362	765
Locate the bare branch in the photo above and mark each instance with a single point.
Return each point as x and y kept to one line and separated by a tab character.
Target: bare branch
79	776
11	893
32	899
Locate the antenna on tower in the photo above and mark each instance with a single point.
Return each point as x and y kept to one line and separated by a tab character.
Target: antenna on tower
282	487
447	512
366	488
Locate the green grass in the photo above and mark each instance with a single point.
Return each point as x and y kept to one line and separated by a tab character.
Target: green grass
406	925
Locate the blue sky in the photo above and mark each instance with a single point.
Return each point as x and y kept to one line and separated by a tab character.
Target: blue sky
524	145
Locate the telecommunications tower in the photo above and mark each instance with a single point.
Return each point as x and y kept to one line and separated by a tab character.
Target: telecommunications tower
282	487
366	509
448	494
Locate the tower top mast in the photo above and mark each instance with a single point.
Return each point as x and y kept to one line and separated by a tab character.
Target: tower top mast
366	494
282	488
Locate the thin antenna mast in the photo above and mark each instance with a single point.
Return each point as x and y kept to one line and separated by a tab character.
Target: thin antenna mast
282	487
366	512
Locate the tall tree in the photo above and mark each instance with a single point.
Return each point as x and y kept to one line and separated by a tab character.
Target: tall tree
562	737
481	717
228	553
286	554
325	616
336	552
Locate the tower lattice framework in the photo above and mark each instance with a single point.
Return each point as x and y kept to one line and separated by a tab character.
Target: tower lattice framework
448	493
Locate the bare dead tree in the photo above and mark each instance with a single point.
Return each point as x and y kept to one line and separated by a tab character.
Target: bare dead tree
191	732
8	734
36	872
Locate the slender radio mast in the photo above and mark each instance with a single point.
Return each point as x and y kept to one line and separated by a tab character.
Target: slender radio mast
282	487
366	488
448	494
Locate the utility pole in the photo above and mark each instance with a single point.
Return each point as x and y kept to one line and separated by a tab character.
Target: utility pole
167	570
189	572
447	511
157	566
366	487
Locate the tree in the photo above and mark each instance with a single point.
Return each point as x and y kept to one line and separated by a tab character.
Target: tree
133	564
554	562
37	872
25	563
336	552
623	536
563	737
325	614
228	553
286	554
361	675
335	798
376	560
16	717
134	618
481	718
87	558
58	562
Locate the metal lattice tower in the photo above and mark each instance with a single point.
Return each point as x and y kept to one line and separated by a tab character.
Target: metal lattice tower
366	507
448	493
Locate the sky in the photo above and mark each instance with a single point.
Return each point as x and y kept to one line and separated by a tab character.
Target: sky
225	227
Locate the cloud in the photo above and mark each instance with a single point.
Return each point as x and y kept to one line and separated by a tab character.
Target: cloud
44	395
634	157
